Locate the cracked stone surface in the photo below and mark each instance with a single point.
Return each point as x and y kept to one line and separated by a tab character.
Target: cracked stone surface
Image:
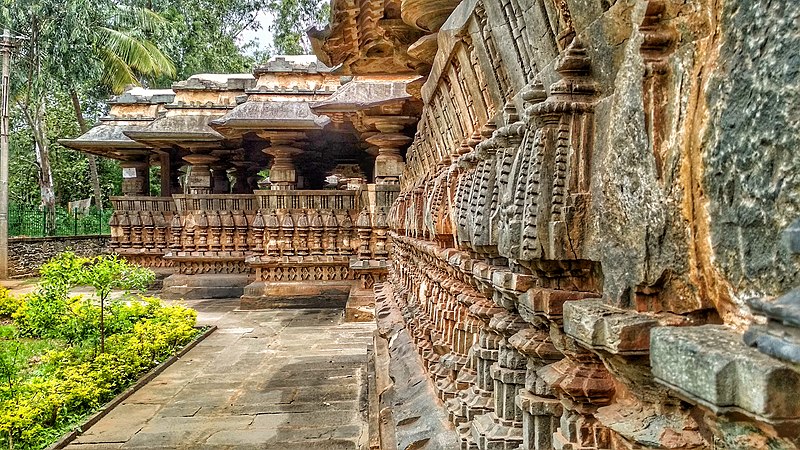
281	379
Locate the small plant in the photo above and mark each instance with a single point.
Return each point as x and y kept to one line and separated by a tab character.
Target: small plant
108	273
9	304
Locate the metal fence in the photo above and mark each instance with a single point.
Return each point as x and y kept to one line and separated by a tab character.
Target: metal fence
30	221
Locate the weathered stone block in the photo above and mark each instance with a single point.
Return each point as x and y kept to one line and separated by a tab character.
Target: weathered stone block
599	325
513	281
711	365
549	302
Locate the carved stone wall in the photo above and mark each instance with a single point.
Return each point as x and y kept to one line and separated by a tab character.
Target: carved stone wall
595	190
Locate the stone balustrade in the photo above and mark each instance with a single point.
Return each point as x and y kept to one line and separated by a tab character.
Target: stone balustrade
265	239
264	225
140	228
213	233
317	200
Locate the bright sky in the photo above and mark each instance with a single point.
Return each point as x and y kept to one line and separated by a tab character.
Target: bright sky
262	36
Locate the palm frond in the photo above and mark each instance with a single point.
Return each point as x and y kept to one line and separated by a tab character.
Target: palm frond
117	73
165	64
140	55
135	17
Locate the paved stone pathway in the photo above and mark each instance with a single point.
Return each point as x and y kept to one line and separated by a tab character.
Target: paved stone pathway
282	379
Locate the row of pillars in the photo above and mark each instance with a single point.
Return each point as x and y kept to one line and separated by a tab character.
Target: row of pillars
208	173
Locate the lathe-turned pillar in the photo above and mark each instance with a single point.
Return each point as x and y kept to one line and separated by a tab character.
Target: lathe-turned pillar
199	180
282	172
389	163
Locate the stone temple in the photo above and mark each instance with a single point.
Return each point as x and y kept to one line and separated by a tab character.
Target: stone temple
576	223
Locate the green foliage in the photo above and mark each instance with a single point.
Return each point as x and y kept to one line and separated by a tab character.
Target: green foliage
202	36
109	272
49	312
51	373
41	406
9	304
292	19
70	168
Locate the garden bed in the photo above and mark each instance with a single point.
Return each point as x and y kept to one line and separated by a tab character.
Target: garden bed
63	357
94	418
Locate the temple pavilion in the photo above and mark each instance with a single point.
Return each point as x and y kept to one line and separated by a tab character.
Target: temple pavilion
274	186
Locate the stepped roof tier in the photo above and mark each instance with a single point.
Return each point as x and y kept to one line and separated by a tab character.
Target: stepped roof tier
289	106
133	110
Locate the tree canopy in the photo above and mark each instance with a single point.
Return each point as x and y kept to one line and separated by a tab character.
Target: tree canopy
76	53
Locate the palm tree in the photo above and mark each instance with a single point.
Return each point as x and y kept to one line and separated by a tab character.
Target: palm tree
69	42
125	56
124	51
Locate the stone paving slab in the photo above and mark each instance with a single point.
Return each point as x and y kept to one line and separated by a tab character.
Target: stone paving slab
287	379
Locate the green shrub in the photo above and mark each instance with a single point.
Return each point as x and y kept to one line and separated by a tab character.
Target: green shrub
9	304
76	378
79	383
41	314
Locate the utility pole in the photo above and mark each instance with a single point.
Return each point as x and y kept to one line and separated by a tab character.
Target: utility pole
5	48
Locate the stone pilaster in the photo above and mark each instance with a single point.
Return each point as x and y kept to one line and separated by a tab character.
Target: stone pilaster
136	176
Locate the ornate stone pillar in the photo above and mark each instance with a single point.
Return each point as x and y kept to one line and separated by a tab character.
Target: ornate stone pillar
329	237
541	410
502	428
199	180
282	173
583	384
302	226
317	228
389	163
136	176
343	241
478	400
287	231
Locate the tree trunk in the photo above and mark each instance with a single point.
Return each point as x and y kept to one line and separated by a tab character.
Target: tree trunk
102	325
95	179
42	149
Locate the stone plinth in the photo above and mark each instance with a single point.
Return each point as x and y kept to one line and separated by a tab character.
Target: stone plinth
298	281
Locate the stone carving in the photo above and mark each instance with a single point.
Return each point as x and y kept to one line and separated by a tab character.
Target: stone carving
566	247
543	124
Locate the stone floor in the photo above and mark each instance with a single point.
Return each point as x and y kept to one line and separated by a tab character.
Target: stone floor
281	379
